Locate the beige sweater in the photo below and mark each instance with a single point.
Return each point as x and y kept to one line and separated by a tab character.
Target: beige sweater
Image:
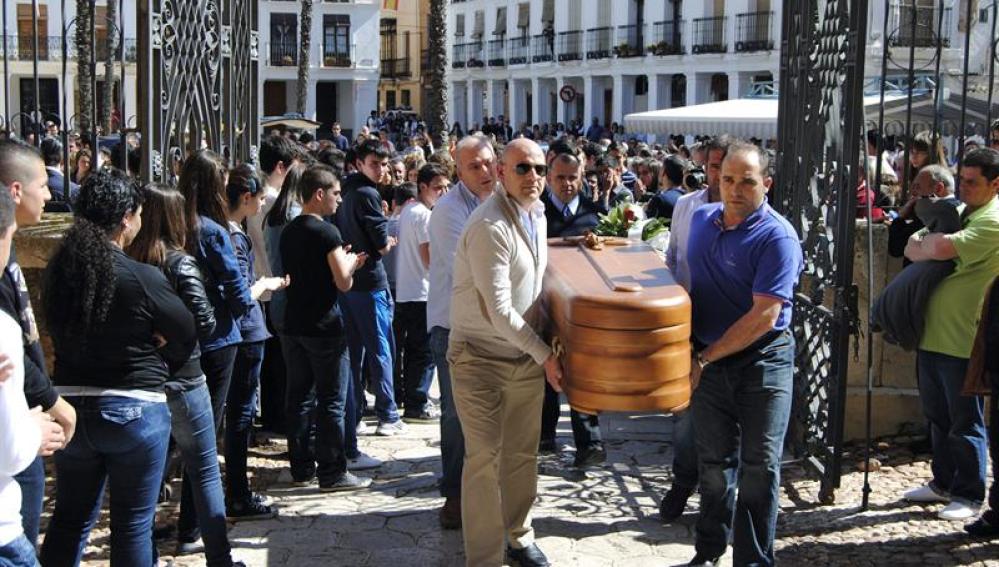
496	296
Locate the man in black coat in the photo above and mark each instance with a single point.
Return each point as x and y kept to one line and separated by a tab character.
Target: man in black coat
569	213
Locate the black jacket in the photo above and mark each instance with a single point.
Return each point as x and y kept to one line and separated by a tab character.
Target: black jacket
184	275
16	302
363	225
123	352
586	217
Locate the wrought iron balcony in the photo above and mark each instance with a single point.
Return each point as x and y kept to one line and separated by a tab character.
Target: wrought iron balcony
667	38
342	56
754	32
517	50
570	46
467	55
22	48
543	48
396	68
458	59
630	41
709	35
496	48
598	43
901	17
282	55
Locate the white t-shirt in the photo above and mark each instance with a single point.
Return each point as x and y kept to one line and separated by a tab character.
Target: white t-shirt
411	283
19	437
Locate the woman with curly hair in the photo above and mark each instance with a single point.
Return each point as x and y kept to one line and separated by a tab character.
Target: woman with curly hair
202	182
160	242
118	328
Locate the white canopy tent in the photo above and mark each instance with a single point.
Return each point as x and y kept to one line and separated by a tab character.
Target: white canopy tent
744	118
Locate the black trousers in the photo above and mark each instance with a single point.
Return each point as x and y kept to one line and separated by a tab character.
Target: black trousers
585	428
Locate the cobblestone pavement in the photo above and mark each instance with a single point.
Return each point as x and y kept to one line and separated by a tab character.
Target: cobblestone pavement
607	516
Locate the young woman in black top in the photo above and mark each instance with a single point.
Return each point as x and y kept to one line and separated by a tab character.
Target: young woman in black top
118	329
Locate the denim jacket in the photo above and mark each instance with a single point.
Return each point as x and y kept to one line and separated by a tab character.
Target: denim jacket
228	291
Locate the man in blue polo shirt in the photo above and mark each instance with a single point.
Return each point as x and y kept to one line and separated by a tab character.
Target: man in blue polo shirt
744	264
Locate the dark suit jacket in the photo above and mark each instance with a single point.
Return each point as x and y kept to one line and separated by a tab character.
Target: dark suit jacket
57	186
586	217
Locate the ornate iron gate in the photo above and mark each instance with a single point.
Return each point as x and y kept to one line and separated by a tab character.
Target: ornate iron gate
198	81
819	126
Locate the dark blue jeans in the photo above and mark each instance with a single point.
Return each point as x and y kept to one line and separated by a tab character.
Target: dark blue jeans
319	365
585	428
741	409
452	439
957	426
240	408
18	553
194	432
32	483
368	315
418	363
118	439
684	451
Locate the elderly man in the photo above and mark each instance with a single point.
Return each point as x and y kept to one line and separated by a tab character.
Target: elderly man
744	263
499	362
476	165
957	421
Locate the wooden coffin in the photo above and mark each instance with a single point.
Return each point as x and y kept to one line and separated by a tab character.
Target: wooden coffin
624	325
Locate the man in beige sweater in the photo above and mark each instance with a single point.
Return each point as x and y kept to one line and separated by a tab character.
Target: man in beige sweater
499	362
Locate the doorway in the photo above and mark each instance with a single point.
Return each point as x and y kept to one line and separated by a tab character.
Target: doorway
326	106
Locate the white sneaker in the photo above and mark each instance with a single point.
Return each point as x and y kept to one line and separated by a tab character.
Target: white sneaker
362	428
958	510
397	427
926	494
362	462
369	400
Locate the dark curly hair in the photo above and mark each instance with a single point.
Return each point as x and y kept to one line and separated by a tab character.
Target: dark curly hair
80	278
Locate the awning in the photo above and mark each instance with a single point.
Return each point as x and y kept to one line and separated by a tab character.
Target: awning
479	26
500	28
744	118
293	121
524	15
548	11
459	25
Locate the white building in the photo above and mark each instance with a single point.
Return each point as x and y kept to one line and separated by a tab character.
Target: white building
343	61
20	34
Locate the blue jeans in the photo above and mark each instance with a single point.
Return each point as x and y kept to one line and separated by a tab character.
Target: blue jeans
452	439
18	553
368	318
194	432
741	409
684	451
32	483
957	426
317	397
123	440
418	363
240	408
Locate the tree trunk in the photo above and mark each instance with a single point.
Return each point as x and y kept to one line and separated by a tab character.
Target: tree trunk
107	100
305	27
84	47
436	105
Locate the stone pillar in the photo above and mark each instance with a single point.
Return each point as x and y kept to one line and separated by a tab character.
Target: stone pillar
654	89
310	99
560	115
490	98
692	89
617	100
475	103
588	98
738	85
517	111
536	101
452	105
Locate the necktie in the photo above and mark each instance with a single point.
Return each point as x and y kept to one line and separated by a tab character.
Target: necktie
566	212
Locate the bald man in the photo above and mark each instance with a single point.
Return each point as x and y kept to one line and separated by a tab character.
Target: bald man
499	361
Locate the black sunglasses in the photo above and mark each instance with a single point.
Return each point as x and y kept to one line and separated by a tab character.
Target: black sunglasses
539	168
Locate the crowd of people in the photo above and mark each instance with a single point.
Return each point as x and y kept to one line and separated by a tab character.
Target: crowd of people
332	272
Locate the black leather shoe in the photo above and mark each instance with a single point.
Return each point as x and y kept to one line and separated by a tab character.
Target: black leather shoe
530	556
590	456
985	527
701	560
547	447
674	503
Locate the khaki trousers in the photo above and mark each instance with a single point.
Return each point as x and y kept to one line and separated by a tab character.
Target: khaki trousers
499	404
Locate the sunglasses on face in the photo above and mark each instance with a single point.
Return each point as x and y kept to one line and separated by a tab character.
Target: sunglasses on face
539	168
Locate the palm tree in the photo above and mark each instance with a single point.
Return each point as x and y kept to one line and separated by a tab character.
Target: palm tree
111	49
305	24
84	48
436	104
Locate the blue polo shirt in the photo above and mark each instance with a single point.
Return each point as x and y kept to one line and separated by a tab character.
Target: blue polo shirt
760	256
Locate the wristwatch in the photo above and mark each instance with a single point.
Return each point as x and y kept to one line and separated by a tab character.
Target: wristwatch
701	361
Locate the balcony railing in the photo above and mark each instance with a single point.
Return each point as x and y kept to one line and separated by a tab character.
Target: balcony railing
396	68
598	43
543	48
496	49
667	38
754	32
458	58
22	48
342	56
630	41
518	49
709	35
927	20
467	55
282	55
570	46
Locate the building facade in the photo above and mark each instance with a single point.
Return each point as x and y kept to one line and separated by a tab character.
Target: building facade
403	32
18	95
343	60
